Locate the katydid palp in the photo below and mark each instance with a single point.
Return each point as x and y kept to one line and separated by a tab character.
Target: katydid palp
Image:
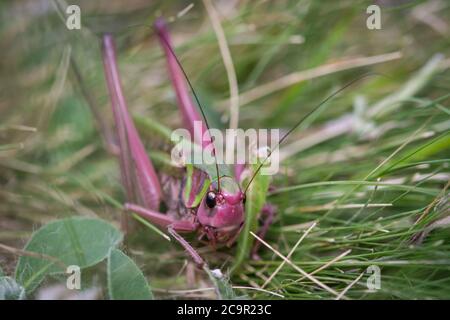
211	203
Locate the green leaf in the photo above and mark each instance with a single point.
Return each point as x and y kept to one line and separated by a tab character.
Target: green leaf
152	127
424	151
74	241
256	198
193	152
125	279
10	289
211	171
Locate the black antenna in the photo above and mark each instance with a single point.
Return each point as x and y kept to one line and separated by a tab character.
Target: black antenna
162	37
303	119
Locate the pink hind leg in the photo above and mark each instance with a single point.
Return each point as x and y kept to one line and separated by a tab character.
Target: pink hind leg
138	174
188	109
137	170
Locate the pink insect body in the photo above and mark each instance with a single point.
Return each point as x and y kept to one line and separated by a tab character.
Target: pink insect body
220	214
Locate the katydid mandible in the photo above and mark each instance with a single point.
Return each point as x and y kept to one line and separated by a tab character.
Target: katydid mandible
213	206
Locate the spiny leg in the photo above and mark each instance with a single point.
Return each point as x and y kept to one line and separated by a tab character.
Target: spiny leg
192	252
173	227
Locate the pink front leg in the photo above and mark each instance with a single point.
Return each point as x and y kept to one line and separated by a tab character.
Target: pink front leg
161	219
173	226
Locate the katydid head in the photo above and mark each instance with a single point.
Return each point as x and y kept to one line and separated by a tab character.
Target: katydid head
222	211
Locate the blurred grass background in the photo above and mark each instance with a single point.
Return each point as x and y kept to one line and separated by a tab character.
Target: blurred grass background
393	129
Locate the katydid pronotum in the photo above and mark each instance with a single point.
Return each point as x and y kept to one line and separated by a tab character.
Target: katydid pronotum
214	205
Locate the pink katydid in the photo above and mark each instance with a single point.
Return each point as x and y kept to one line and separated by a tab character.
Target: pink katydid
213	206
220	212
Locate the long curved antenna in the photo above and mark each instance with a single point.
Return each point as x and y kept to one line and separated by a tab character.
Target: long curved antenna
304	118
169	47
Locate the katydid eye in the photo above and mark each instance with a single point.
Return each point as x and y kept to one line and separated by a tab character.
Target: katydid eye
211	199
244	198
